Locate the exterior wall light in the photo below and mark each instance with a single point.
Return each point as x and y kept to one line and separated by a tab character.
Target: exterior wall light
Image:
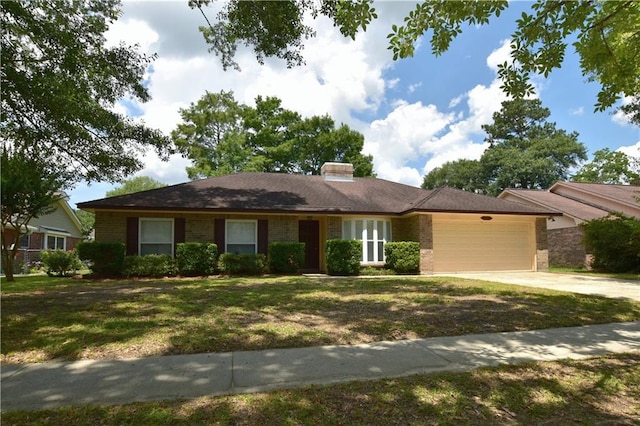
486	217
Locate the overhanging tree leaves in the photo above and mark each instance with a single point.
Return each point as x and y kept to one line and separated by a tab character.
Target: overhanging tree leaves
136	184
60	82
221	136
29	190
605	35
462	174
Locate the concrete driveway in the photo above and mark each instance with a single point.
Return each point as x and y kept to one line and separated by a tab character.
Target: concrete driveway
575	283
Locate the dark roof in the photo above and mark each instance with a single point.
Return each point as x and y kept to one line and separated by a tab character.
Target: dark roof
557	202
273	192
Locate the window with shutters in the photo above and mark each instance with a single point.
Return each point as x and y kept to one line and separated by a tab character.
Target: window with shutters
241	236
156	236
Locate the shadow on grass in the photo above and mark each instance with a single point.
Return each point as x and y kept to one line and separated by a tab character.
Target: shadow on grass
113	319
603	390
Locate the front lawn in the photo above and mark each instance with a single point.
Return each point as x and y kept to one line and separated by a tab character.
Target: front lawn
57	318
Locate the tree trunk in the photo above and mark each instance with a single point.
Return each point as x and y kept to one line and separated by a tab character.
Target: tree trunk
7	257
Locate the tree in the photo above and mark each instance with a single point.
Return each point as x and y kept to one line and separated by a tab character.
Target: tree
612	167
526	151
87	220
60	83
604	34
462	174
29	190
136	184
221	136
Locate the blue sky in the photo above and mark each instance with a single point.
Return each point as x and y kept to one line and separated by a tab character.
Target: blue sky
415	113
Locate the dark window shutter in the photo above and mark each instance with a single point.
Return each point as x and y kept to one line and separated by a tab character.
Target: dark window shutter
263	236
179	227
218	233
132	236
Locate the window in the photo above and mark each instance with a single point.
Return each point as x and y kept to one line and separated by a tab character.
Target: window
24	241
374	234
54	242
156	236
242	236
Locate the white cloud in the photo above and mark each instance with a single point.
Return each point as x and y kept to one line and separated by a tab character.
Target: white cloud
577	111
631	151
500	55
413	87
619	117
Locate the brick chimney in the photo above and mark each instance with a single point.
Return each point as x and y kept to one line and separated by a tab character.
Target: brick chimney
340	172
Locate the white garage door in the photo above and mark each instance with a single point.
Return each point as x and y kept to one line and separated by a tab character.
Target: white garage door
478	245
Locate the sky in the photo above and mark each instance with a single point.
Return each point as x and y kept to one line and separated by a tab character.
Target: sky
415	114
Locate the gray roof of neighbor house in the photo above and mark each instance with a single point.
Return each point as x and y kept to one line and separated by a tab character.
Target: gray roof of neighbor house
286	193
626	194
557	202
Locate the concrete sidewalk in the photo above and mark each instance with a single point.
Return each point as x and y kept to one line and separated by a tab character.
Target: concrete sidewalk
48	385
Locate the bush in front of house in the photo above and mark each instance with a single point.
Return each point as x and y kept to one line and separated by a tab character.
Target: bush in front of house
196	258
343	257
105	259
614	242
242	264
403	256
150	265
286	258
59	262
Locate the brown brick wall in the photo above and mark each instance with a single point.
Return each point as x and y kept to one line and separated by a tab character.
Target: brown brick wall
542	245
426	243
283	229
334	228
406	229
566	248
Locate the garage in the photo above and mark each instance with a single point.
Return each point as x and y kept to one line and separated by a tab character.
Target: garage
474	243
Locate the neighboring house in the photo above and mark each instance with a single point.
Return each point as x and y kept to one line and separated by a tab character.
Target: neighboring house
244	212
59	229
579	202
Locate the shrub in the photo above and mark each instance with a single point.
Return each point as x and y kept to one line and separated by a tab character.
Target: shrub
343	257
150	265
286	258
196	258
403	256
242	264
105	258
614	242
60	262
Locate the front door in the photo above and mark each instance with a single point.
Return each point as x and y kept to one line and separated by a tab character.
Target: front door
309	234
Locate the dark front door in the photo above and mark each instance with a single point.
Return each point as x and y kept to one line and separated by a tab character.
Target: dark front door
309	234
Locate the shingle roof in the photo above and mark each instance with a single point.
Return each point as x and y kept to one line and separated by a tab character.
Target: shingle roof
626	194
273	192
557	202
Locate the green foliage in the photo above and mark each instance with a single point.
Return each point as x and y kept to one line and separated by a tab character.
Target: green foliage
60	262
403	256
106	259
29	189
221	136
60	81
614	241
136	184
343	257
286	258
462	174
196	258
604	34
242	264
87	220
150	265
611	167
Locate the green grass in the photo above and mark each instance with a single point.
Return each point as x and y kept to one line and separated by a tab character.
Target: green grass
597	391
46	319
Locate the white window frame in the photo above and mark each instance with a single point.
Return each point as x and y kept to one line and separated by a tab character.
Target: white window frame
45	241
366	238
228	242
155	219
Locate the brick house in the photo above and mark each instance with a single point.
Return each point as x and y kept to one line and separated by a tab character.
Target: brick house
244	212
59	229
578	202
